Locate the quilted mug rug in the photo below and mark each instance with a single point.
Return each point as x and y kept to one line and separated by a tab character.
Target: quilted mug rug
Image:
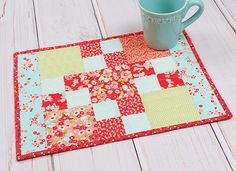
100	91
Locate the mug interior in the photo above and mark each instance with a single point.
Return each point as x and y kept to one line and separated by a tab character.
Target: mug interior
162	6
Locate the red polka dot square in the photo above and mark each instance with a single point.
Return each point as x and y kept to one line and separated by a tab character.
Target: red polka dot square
109	129
90	49
130	105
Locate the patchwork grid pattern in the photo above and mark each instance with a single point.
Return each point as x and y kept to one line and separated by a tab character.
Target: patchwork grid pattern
107	90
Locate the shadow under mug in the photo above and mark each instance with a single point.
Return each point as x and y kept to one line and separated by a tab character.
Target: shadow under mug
162	20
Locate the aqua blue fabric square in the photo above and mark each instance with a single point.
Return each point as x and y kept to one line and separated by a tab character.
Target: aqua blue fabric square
94	63
53	85
78	98
147	84
136	123
105	110
162	65
109	46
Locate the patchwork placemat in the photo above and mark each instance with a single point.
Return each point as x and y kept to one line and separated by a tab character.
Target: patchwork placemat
95	92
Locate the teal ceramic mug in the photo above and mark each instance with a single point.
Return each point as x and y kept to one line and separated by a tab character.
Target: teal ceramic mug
162	20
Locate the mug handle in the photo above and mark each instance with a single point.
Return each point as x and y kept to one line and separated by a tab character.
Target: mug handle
195	16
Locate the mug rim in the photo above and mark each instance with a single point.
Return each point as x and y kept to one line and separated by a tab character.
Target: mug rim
163	14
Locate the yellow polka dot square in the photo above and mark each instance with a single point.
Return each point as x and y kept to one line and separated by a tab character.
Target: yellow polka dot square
60	62
170	107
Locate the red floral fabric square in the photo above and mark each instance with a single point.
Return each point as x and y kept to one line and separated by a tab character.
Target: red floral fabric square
136	49
68	127
130	105
111	83
90	49
115	59
54	102
76	81
168	80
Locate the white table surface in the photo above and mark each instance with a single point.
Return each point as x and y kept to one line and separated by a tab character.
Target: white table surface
27	24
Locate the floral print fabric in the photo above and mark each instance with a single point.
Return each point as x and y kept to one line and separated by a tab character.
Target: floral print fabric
67	127
111	84
193	77
33	134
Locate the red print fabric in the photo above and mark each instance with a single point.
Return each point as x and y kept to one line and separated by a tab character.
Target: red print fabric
90	49
76	81
131	104
111	83
115	59
168	80
54	102
69	127
108	129
140	69
136	49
